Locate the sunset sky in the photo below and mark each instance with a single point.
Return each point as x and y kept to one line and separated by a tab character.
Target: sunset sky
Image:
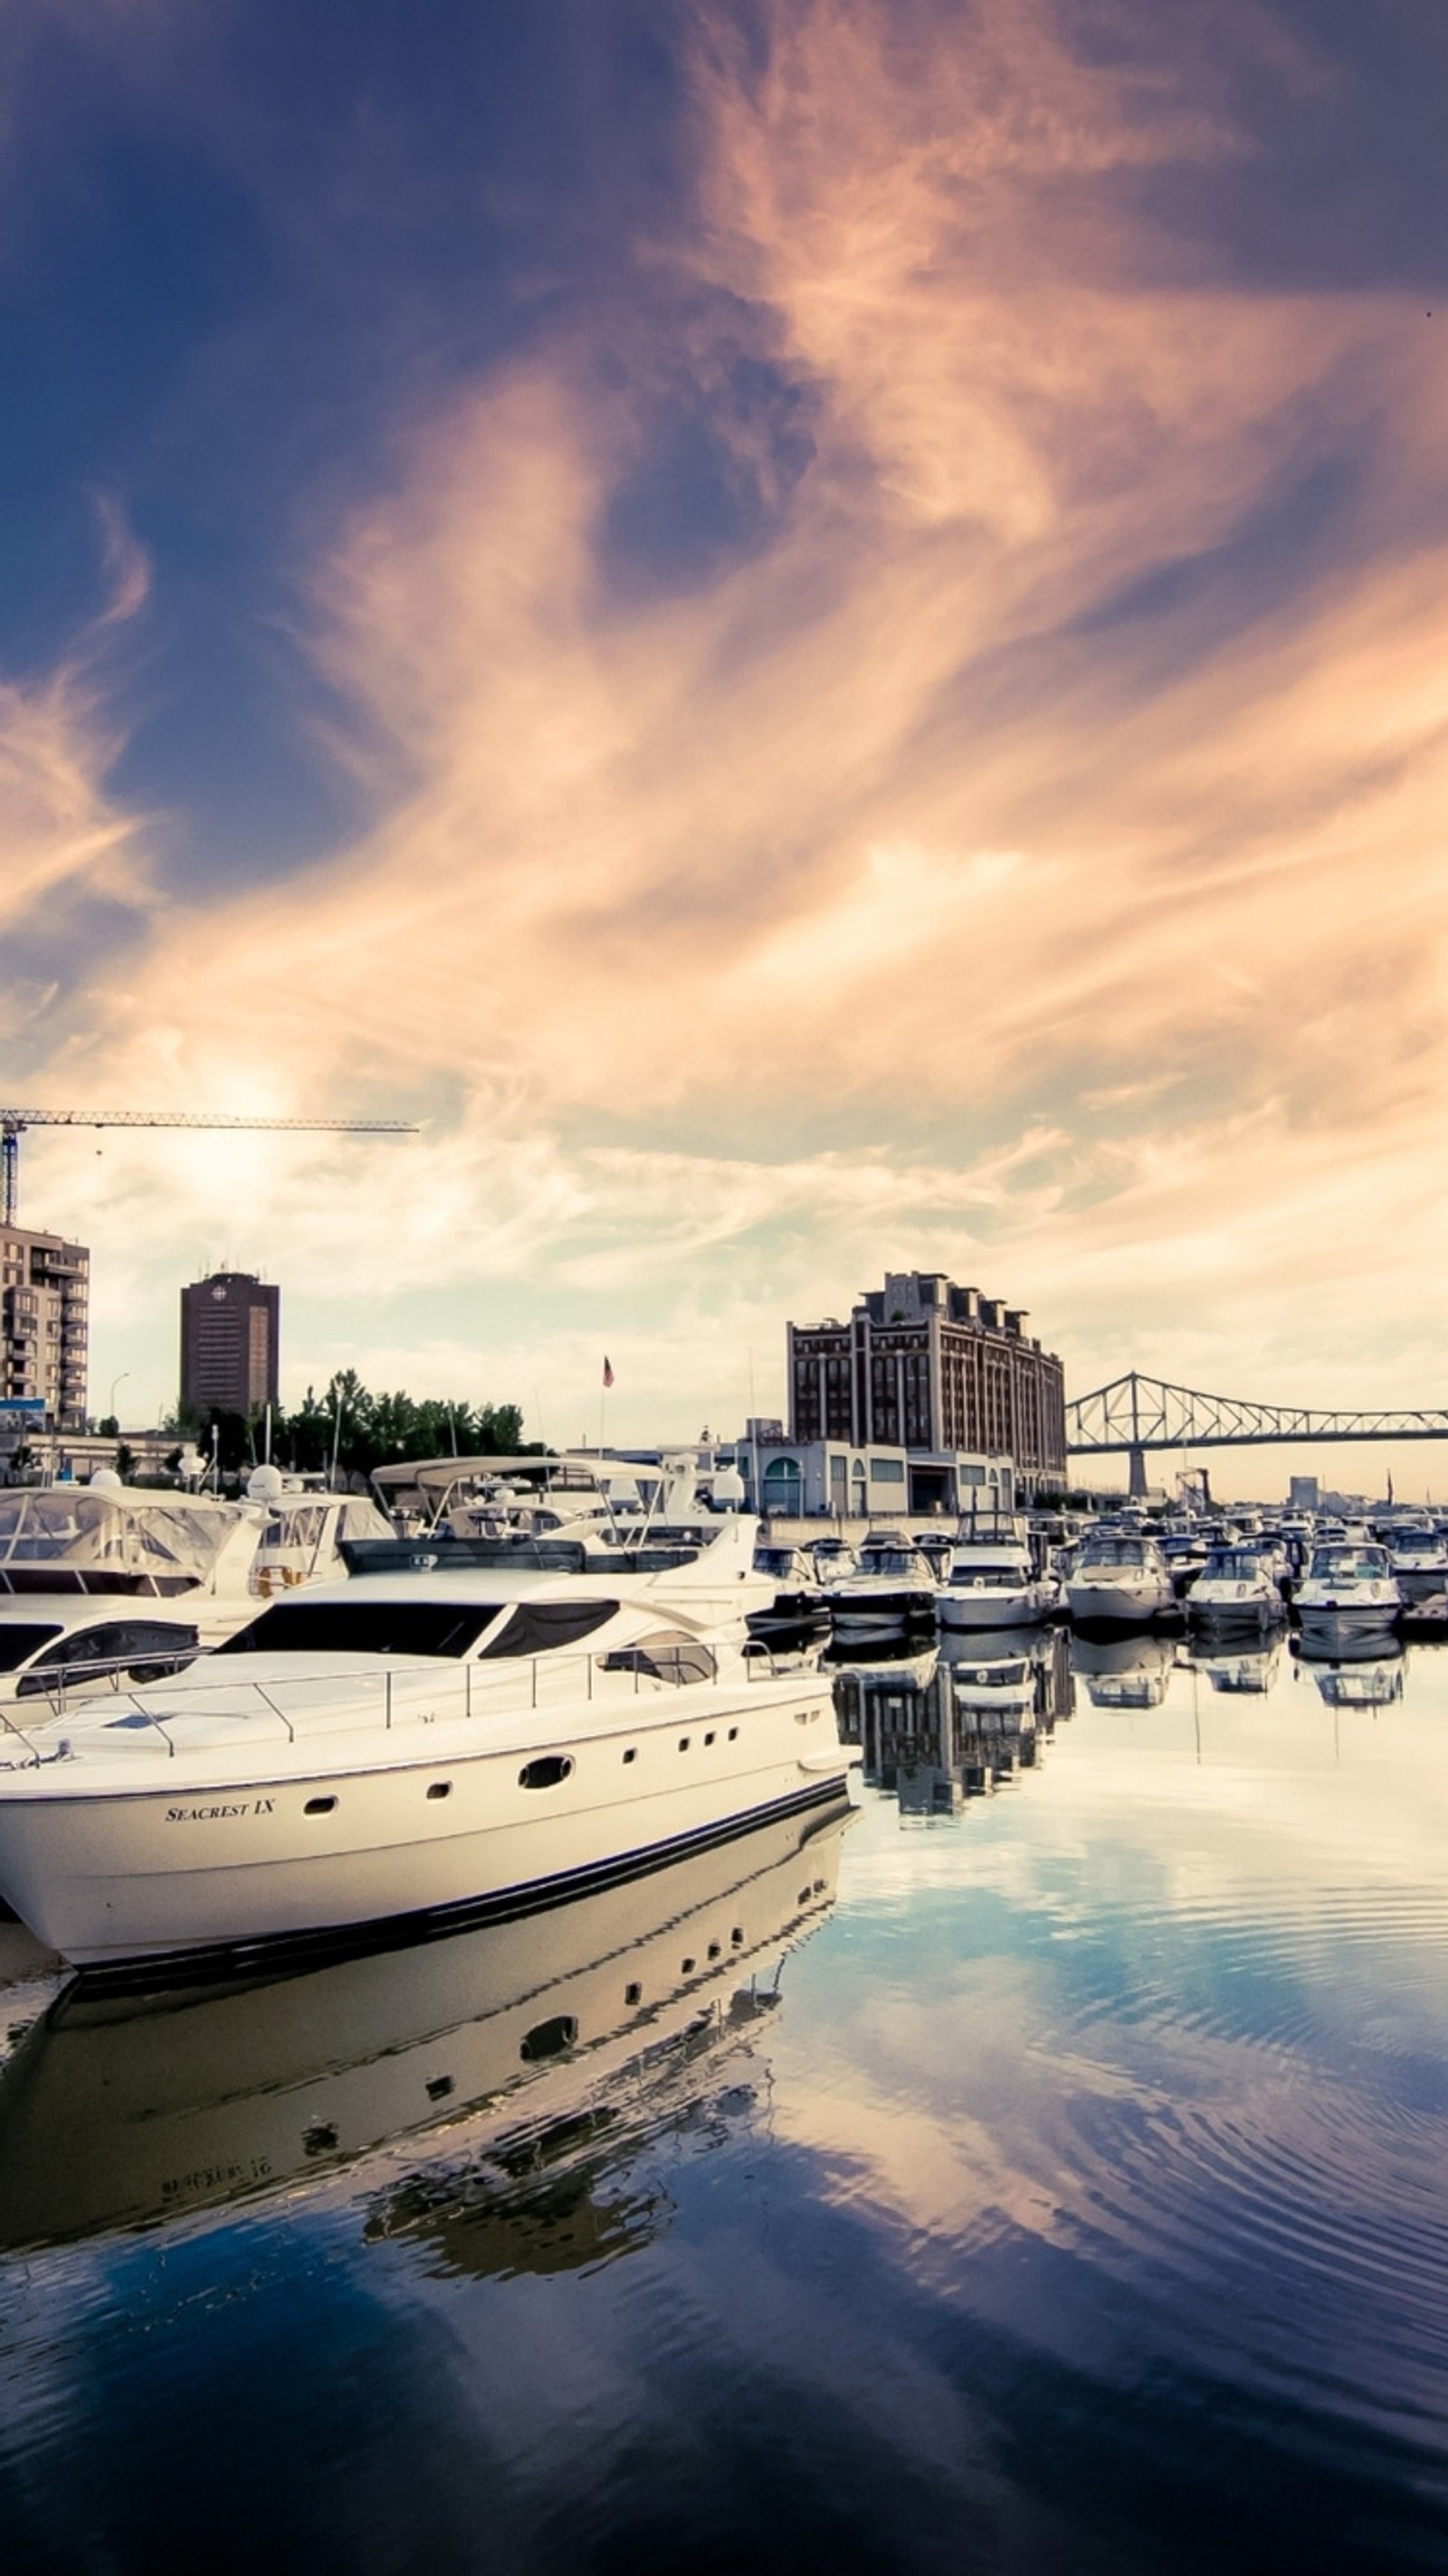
815	630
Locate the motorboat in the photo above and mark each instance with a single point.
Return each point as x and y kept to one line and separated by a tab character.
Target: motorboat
1349	1585
1124	1672
797	1610
1119	1580
304	1531
58	1649
511	2052
990	1584
890	1591
442	1745
76	1542
1419	1561
1236	1589
1185	1555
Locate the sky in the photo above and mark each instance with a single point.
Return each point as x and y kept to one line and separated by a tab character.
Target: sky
814	631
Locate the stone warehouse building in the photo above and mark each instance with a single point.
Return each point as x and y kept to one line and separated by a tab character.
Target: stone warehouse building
939	1377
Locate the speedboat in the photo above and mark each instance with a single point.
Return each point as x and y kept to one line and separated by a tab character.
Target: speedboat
1237	1589
1349	1586
1419	1560
797	1611
523	2048
441	1746
990	1585
1119	1580
890	1591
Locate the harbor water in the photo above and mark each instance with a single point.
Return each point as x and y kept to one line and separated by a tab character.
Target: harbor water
1039	2167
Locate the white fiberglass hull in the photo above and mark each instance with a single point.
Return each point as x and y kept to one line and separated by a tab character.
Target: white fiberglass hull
1233	1606
985	1609
1121	1600
217	1852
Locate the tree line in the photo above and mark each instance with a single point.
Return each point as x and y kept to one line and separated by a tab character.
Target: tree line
351	1430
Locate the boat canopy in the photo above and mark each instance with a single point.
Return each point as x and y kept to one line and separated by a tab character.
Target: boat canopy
71	1538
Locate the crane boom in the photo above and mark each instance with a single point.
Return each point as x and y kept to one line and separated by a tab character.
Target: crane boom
13	1123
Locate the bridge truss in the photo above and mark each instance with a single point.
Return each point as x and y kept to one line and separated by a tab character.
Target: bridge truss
1135	1413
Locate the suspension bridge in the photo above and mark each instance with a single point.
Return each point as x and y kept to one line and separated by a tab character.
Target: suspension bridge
1135	1414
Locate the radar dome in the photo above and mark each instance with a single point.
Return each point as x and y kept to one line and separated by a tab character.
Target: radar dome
727	1487
106	1481
265	1485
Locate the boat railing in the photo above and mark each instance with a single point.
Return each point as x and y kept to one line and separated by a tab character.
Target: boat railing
464	1689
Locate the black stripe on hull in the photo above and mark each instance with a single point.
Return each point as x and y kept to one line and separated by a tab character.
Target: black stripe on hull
285	1953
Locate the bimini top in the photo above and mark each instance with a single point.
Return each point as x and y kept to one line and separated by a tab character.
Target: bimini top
74	1538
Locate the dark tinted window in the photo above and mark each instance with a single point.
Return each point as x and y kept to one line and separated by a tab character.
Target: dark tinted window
19	1638
536	1626
363	1628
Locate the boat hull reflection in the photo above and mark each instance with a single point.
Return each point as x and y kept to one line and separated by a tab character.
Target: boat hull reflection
118	2112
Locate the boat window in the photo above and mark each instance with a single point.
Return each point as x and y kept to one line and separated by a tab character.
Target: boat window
536	1627
364	1628
666	1655
546	1771
19	1638
1349	1565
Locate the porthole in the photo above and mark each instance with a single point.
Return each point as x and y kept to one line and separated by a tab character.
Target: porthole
733	1731
549	2038
318	2138
709	1739
737	1936
683	1744
632	1753
633	1994
714	1949
687	1968
439	1788
319	1806
439	2088
549	1770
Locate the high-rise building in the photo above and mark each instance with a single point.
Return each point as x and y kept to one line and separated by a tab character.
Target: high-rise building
230	1343
935	1370
44	1326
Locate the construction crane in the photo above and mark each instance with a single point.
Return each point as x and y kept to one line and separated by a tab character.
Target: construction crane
14	1122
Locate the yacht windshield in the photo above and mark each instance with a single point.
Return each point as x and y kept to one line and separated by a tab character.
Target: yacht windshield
1114	1551
1349	1565
1233	1565
364	1628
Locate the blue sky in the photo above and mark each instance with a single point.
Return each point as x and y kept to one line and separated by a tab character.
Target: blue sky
814	630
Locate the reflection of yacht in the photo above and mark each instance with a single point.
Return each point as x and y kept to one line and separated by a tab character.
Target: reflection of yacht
1124	1672
1349	1587
890	1591
992	1670
371	1750
1119	1580
990	1584
1361	1681
518	2048
1248	1673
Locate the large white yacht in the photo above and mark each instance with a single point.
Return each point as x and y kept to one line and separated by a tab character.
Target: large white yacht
439	1744
72	1542
989	1584
1120	1579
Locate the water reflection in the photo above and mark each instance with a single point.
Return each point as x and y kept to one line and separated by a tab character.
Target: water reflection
1124	1672
941	1728
531	2052
1246	1673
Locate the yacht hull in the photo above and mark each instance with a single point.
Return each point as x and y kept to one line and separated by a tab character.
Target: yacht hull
1120	1604
974	1611
227	1865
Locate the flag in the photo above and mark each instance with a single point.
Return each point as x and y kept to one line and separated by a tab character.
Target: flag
607	1370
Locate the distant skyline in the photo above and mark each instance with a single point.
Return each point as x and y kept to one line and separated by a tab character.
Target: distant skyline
816	630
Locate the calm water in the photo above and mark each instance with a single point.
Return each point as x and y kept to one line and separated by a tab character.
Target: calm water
1045	2170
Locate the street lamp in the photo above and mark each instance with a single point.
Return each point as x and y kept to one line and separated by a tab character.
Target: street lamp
111	1413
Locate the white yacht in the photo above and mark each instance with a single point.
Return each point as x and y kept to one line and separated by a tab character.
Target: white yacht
440	1745
1349	1587
580	2025
75	1542
890	1591
1236	1589
303	1531
1120	1579
990	1584
1419	1560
